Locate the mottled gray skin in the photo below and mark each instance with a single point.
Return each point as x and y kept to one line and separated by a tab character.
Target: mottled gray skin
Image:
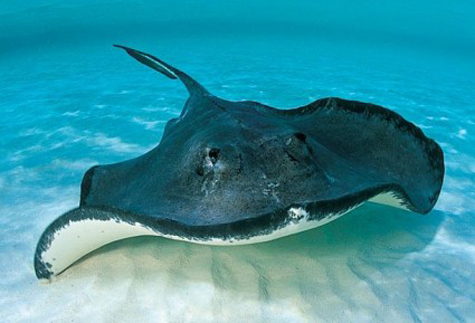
233	169
223	161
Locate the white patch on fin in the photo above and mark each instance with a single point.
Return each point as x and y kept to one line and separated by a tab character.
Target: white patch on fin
389	198
297	213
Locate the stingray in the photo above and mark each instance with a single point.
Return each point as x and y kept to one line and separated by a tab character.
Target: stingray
230	173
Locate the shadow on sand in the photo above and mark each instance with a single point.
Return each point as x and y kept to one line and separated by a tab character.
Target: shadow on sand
367	240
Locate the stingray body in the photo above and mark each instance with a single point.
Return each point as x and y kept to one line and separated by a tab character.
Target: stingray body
243	172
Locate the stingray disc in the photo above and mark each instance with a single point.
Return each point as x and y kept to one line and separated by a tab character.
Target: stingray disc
229	173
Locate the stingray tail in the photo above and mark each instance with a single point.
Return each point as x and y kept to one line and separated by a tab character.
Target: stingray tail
157	64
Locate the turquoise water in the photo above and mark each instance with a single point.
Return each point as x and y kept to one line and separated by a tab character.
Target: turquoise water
70	101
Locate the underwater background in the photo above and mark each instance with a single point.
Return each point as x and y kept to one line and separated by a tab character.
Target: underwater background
69	100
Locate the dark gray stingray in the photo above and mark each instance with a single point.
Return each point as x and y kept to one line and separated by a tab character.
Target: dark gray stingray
244	172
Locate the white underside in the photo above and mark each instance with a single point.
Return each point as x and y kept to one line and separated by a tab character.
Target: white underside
81	237
389	198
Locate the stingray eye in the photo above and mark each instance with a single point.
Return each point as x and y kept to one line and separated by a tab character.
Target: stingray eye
300	136
213	155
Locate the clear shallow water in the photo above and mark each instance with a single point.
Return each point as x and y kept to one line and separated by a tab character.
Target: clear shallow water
67	106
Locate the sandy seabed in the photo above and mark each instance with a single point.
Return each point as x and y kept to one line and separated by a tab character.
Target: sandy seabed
375	264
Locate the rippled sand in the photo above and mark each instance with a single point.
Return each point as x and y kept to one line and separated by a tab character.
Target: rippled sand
373	265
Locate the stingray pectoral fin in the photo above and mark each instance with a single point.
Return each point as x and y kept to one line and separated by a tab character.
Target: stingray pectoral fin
77	233
380	145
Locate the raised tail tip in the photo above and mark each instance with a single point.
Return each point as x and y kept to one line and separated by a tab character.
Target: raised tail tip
166	69
123	47
150	61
